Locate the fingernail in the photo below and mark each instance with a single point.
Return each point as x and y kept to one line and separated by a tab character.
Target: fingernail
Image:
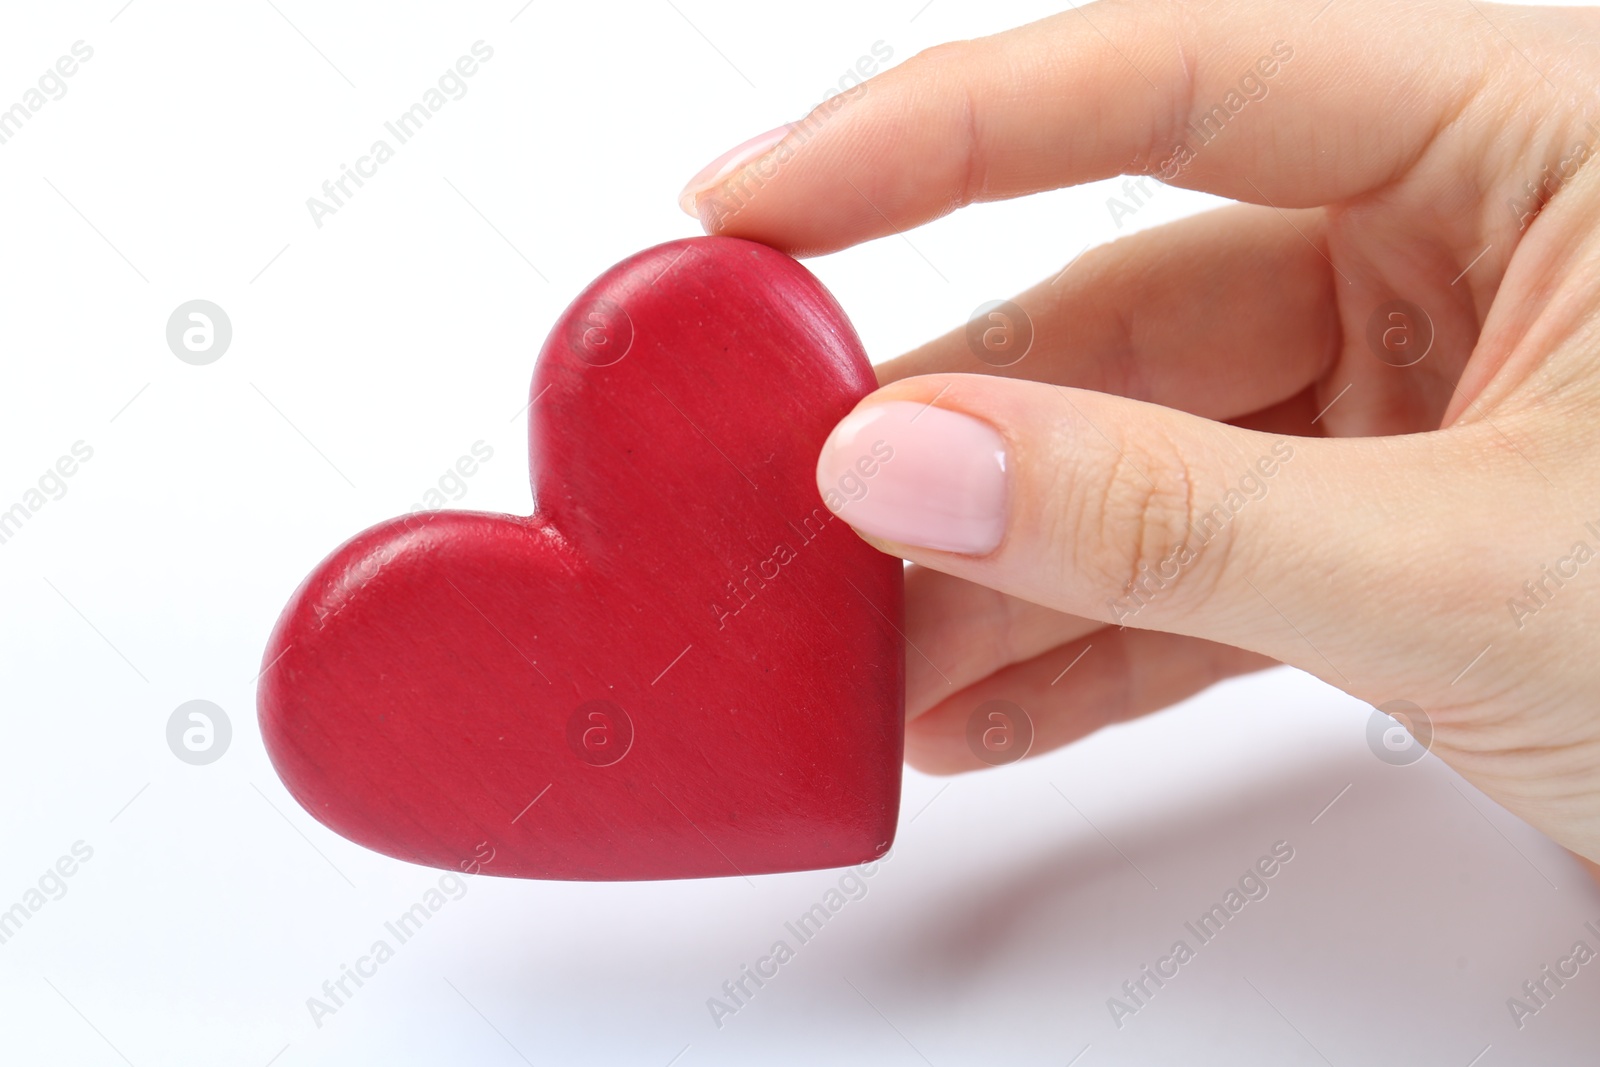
728	163
917	475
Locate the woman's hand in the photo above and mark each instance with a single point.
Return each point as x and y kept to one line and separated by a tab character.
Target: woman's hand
1352	425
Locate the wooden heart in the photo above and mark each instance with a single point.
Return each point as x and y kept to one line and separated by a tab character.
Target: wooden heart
681	665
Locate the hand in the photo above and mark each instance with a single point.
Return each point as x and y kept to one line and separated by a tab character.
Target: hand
1229	445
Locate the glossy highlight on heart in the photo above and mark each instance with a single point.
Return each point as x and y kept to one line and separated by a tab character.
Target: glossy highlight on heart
681	665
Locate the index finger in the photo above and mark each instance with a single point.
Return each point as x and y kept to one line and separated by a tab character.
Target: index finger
1258	100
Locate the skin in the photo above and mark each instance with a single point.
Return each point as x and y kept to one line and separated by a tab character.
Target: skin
1384	555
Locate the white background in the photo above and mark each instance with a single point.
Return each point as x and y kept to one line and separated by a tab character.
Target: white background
371	353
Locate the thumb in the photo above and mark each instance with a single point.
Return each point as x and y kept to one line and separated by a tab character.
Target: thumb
1140	515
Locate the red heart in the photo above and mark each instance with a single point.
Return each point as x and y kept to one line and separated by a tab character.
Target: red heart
682	665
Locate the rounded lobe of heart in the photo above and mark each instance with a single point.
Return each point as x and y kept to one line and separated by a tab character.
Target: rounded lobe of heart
682	665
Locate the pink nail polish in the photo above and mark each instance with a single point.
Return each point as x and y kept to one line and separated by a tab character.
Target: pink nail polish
728	163
917	475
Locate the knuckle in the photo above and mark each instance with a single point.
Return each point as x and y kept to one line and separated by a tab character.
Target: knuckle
946	69
1156	546
946	50
1188	24
934	65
